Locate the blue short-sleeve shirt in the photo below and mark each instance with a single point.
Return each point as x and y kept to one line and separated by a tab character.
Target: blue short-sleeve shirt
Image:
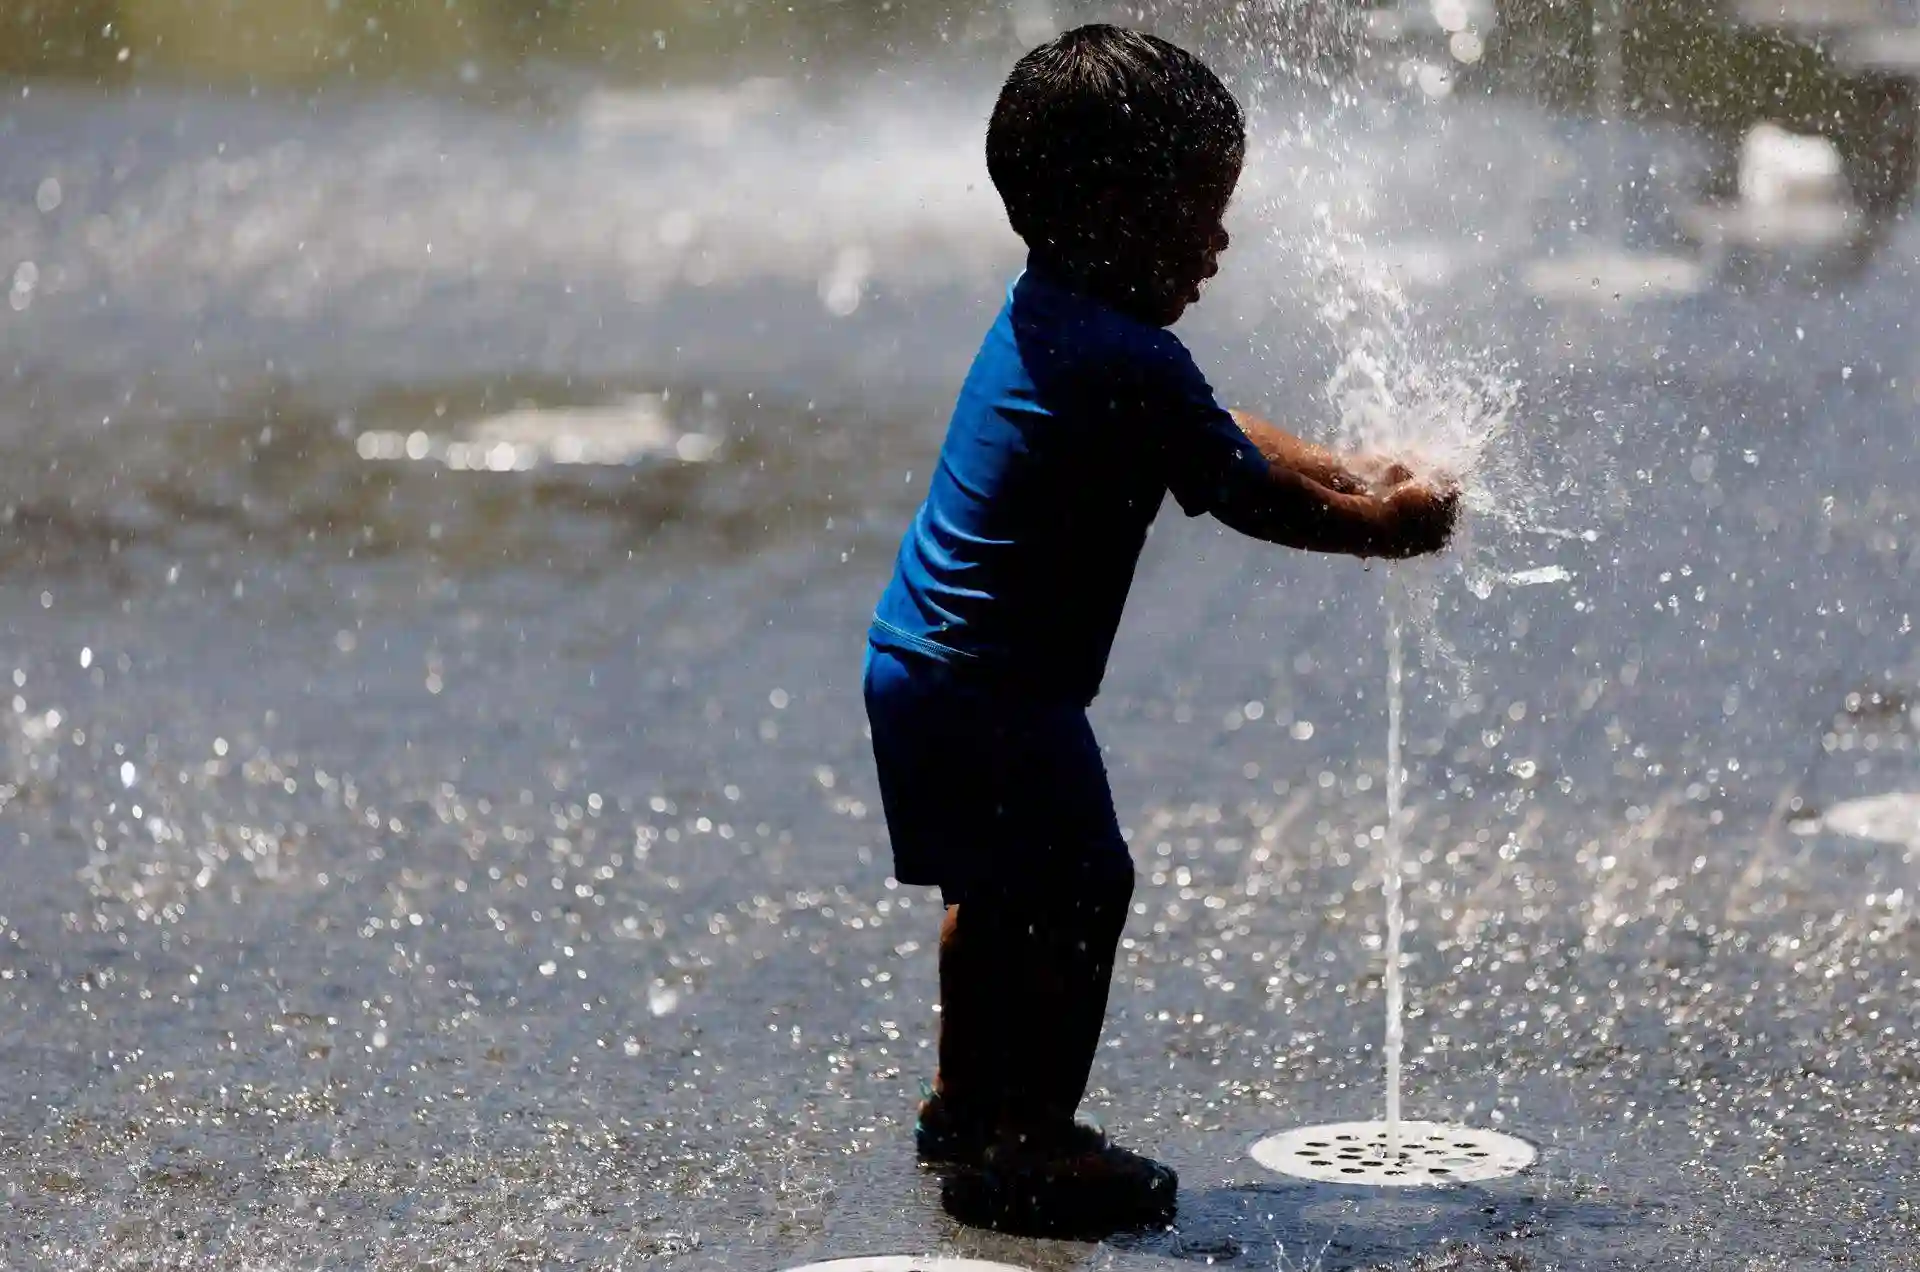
1073	424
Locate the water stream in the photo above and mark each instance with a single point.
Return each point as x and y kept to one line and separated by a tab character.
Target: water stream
1390	855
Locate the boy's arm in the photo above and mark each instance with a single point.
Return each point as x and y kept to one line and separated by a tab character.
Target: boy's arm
1311	498
1346	474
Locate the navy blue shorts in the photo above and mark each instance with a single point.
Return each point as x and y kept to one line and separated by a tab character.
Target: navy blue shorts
987	790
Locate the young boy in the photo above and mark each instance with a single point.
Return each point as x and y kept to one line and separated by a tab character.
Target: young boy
1115	154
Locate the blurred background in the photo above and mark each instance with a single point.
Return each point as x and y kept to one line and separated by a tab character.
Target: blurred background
449	450
339	215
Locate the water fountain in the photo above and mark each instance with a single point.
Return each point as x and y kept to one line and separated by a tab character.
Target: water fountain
1394	397
1393	1152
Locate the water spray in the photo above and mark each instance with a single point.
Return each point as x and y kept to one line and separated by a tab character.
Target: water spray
1393	400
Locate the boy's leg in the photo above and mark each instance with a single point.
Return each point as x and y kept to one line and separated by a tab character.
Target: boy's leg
1023	996
924	731
1051	907
1051	967
1054	956
1090	942
966	1078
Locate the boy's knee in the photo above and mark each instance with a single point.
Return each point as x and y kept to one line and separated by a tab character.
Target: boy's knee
1093	896
1092	909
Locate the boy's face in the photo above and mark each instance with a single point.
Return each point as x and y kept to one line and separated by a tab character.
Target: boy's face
1184	245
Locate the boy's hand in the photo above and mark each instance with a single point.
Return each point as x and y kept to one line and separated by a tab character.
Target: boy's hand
1424	515
1378	473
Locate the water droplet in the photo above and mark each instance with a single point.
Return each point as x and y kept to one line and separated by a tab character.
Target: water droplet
1534	577
843	286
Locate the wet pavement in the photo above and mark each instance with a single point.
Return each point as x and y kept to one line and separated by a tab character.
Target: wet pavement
411	865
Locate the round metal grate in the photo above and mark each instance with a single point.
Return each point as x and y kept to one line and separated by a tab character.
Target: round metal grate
1427	1154
909	1263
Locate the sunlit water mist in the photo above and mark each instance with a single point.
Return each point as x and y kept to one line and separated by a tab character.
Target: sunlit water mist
1450	415
1447	421
1394	393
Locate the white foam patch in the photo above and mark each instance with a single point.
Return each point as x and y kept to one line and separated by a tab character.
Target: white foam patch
1614	276
619	434
910	1263
1893	818
1779	227
1424	1154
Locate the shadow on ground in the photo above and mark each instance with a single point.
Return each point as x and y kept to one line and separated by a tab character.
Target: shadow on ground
1333	1227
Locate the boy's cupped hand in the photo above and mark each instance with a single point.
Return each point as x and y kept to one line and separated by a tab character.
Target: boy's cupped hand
1379	473
1425	511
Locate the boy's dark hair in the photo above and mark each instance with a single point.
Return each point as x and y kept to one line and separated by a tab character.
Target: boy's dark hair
1105	115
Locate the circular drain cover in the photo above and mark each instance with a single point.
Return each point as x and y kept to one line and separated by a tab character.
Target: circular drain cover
1429	1154
909	1263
